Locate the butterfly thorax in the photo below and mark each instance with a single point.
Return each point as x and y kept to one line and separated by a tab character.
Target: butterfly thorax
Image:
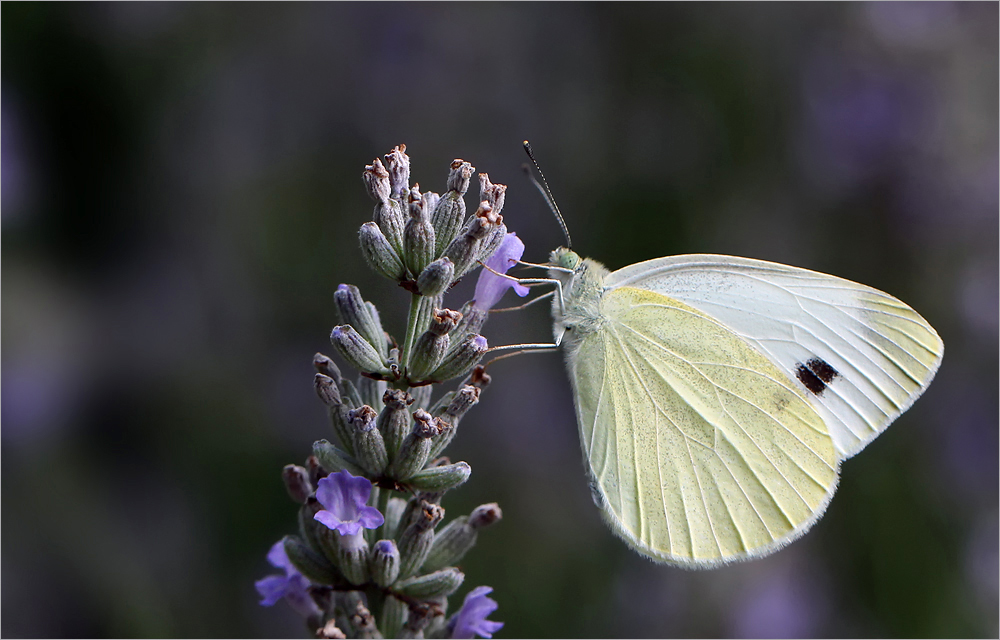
582	290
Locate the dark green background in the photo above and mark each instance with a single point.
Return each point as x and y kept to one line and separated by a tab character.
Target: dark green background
181	194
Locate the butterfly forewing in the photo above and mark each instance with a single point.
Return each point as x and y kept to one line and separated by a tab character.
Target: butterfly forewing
702	450
861	355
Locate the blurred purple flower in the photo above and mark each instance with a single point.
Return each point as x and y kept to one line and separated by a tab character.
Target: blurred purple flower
471	618
779	603
344	498
491	287
293	586
862	117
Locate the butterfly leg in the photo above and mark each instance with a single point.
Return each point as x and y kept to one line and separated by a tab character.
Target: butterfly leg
521	348
544	296
532	281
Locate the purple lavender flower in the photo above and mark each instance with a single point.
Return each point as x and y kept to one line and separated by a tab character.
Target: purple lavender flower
293	586
471	618
491	287
344	498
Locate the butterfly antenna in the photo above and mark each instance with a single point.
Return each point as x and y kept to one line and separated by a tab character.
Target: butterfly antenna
546	193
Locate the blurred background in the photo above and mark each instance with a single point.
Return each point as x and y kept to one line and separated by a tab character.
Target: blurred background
181	192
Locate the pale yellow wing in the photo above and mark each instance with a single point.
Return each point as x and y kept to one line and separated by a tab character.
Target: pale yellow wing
862	355
701	450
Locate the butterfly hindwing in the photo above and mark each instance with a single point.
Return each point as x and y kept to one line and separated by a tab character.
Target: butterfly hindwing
702	450
861	355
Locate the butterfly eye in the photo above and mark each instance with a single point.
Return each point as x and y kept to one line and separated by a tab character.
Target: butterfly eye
569	260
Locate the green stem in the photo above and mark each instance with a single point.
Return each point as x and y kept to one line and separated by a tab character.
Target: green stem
421	310
411	328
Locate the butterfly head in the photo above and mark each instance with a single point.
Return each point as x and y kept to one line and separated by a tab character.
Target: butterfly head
564	258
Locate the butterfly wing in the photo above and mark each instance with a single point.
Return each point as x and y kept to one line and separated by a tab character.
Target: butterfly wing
862	356
700	450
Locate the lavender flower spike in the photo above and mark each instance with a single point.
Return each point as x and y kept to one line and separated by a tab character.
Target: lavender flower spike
471	618
344	498
491	287
293	586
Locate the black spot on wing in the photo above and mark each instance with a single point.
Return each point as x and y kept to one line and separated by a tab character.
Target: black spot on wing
815	374
822	369
809	379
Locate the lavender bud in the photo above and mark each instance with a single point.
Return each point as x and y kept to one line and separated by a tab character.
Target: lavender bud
379	253
354	311
444	320
398	165
333	459
394	420
466	398
326	366
466	247
357	351
450	211
390	217
455	539
308	526
418	236
331	396
309	563
433	585
352	558
451	543
460	536
460	359
326	389
344	605
368	444
490	245
436	277
492	193
384	562
364	622
330	631
484	515
328	540
437	625
428	352
478	378
415	542
458	177
422	614
393	513
428	203
316	470
416	447
297	482
393	617
377	181
441	478
343	433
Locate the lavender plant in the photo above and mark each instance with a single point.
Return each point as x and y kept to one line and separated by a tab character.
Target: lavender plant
371	558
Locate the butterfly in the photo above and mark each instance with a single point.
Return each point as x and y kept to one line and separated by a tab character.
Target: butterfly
717	396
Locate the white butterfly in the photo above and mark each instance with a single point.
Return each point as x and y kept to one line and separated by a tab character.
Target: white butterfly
717	396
